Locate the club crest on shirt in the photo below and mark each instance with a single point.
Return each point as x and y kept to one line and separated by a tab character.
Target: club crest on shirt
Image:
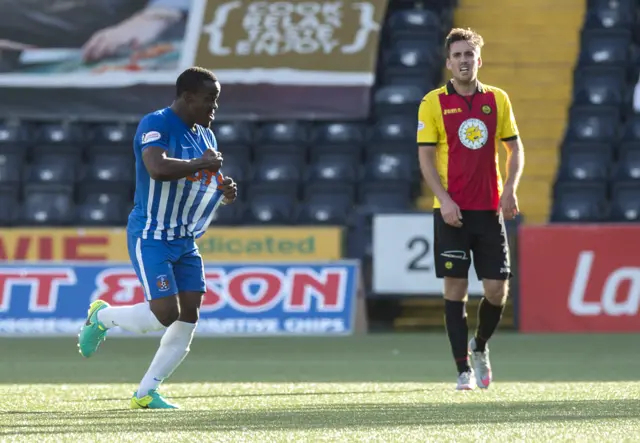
162	282
473	133
486	109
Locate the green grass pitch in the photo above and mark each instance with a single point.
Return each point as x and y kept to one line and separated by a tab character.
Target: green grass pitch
382	388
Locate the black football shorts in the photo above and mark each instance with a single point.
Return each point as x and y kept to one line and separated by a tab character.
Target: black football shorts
482	234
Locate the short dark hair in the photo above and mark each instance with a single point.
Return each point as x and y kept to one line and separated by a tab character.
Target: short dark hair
192	79
467	35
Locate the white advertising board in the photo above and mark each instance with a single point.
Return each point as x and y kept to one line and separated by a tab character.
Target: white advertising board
403	257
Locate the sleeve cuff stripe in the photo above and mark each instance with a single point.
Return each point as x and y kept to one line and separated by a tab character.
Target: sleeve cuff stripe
508	139
427	143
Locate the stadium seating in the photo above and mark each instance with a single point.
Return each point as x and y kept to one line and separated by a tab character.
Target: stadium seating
57	173
601	148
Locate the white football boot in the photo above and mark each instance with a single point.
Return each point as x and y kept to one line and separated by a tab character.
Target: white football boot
481	365
466	381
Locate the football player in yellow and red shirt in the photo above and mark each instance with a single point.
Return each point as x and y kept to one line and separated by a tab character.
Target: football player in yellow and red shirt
460	128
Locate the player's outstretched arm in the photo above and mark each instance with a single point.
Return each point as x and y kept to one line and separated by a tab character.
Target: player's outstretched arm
164	168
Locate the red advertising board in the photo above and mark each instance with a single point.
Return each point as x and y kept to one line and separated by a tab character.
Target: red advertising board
580	278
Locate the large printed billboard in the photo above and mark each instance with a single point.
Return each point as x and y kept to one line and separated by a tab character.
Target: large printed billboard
217	245
274	59
579	278
241	299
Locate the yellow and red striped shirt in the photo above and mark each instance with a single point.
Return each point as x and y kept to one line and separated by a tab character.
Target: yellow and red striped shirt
467	132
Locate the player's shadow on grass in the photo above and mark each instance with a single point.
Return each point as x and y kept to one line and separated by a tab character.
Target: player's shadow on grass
320	416
271	394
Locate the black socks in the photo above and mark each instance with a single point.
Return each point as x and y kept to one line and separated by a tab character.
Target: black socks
488	318
456	323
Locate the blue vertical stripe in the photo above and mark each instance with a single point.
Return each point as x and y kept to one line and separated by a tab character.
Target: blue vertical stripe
173	190
207	212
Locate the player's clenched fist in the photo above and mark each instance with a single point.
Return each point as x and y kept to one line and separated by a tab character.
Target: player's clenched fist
229	190
212	160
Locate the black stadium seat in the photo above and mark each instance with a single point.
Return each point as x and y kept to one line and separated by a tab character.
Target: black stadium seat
631	130
586	164
394	100
608	18
396	132
321	211
329	191
48	207
611	75
60	133
12	133
628	166
270	209
605	48
338	133
9	206
11	167
277	168
591	124
103	210
579	202
412	57
626	7
110	170
415	23
385	196
230	133
333	168
112	133
53	169
343	138
290	132
228	215
625	203
388	167
599	91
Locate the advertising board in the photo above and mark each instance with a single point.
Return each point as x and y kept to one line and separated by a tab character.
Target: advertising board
262	299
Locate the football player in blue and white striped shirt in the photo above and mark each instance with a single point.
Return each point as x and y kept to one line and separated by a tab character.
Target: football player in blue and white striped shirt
178	188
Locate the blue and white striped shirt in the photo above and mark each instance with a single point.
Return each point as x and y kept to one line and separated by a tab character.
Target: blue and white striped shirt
179	208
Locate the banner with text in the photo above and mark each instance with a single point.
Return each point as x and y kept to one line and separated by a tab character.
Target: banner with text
279	59
403	261
579	278
249	299
242	244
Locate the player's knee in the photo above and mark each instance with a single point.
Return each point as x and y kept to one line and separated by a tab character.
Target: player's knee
190	306
455	289
189	315
496	291
166	310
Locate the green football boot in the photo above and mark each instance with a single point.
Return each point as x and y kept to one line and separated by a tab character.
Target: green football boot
93	332
152	400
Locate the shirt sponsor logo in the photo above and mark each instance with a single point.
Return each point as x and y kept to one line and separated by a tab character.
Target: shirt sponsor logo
473	133
151	136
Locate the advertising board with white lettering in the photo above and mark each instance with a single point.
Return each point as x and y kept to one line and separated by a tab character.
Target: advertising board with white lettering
403	261
579	278
272	58
241	299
